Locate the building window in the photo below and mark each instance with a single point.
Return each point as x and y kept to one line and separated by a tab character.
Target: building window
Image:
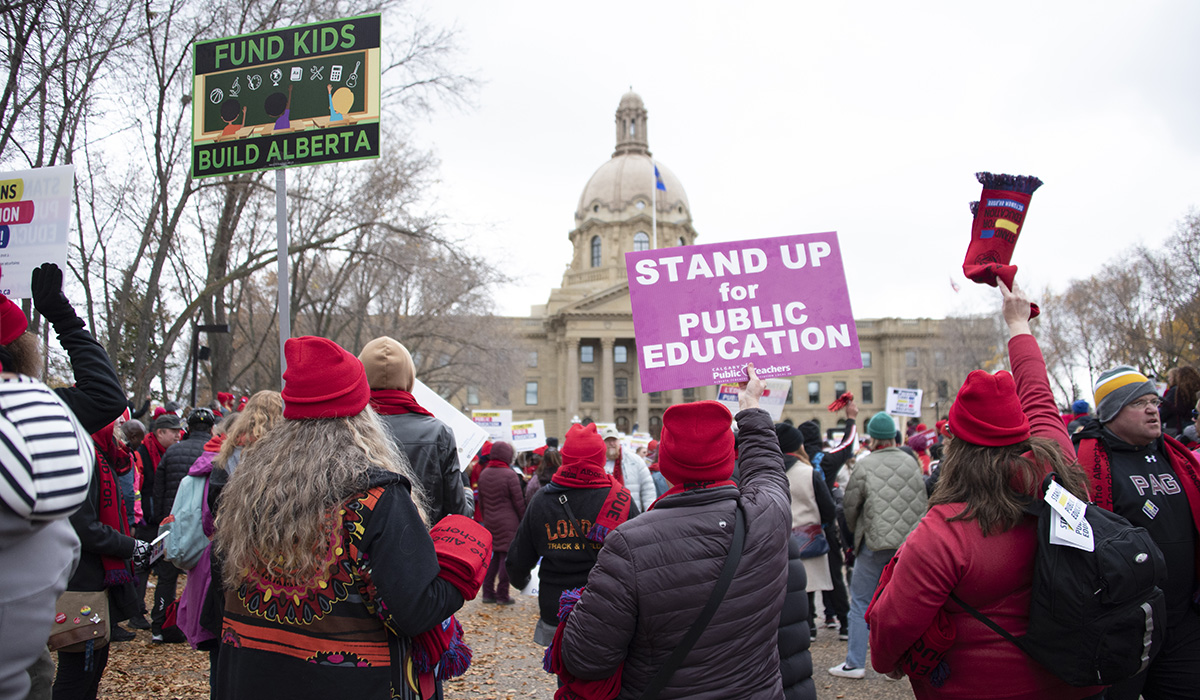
655	426
595	251
943	389
587	389
939	358
866	359
621	388
910	358
839	388
789	398
912	384
640	241
689	394
472	396
587	353
814	392
531	397
656	396
504	397
620	354
868	392
532	359
682	241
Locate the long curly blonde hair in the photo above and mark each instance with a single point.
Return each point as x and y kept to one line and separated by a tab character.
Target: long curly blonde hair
275	514
260	414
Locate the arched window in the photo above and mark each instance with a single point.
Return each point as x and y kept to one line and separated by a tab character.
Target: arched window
595	251
633	128
681	241
641	241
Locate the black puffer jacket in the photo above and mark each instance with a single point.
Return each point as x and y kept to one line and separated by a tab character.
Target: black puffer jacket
795	660
657	571
433	455
175	464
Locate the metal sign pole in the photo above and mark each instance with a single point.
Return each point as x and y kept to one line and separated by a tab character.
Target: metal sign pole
281	235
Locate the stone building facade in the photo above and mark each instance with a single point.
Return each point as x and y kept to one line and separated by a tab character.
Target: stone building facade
581	354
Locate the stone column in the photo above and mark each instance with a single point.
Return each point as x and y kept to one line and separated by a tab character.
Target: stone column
572	381
709	393
675	396
607	406
643	403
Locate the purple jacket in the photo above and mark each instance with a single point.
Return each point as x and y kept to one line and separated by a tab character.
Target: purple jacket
502	494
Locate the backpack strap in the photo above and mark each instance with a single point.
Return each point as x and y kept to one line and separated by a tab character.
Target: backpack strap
693	635
575	522
987	621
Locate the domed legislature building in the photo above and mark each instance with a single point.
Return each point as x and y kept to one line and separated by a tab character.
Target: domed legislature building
581	360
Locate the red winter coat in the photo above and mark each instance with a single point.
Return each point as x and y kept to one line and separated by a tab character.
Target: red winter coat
502	495
993	574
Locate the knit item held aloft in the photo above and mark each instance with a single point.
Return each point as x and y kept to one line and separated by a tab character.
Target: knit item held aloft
881	427
696	443
322	380
1117	388
988	412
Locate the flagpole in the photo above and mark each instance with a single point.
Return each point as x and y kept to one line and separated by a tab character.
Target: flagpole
653	205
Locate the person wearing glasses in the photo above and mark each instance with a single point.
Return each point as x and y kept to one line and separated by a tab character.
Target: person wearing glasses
1150	479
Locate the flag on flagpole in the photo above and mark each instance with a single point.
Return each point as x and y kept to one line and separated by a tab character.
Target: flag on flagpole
953	285
658	183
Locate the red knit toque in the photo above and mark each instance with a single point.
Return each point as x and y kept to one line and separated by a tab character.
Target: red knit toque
12	321
322	380
696	443
987	411
583	444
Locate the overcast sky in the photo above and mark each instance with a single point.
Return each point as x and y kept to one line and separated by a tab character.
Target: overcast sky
865	118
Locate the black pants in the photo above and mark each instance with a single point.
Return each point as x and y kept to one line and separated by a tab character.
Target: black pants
76	678
837	602
164	594
1174	673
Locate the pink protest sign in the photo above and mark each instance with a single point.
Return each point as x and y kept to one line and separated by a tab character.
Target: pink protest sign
700	313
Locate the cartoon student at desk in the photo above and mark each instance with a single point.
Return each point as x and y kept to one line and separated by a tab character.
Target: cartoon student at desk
280	107
229	115
340	102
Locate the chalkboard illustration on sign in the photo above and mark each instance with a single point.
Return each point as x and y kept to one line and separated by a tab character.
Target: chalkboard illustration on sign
290	120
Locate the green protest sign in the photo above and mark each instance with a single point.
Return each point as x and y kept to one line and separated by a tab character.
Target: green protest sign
295	96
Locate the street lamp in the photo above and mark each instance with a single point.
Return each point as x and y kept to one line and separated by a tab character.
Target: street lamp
196	330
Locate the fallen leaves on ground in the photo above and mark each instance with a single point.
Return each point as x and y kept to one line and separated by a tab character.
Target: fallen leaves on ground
507	664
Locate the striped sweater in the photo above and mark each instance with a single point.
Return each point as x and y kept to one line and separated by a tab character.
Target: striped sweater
45	454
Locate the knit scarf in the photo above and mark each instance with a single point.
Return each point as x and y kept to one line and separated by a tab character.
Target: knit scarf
614	511
690	486
1094	460
572	687
155	450
112	513
391	402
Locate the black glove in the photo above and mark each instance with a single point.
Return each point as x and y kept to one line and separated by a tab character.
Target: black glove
48	297
141	555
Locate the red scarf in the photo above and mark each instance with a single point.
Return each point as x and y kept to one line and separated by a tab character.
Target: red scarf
1094	460
391	402
112	513
690	486
614	511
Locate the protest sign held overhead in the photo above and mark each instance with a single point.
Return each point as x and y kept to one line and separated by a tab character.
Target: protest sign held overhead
701	313
904	402
35	221
528	435
468	437
296	96
497	424
772	399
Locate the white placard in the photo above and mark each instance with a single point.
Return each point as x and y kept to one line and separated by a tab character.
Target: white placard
904	402
1079	537
772	399
35	223
528	435
1066	503
468	437
497	424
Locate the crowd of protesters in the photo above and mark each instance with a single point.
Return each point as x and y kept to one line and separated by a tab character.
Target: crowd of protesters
338	536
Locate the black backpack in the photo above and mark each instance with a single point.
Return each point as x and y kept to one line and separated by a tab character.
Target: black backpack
1096	618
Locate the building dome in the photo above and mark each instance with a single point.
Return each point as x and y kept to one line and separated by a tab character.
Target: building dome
624	187
620	184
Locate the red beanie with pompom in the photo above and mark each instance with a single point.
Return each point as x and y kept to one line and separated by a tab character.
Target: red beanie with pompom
696	443
322	380
988	412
